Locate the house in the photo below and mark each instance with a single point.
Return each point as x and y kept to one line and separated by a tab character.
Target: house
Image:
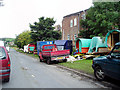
57	28
71	25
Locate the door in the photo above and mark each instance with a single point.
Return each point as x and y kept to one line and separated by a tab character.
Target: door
113	65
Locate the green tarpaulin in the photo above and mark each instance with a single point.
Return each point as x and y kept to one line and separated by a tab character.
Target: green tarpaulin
96	42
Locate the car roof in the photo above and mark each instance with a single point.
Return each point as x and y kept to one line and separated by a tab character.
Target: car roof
117	43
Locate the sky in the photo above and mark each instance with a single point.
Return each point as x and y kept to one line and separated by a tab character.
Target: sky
16	15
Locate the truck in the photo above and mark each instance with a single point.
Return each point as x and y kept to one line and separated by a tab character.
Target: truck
51	53
109	65
41	43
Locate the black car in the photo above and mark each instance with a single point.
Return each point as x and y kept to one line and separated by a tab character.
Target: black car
108	65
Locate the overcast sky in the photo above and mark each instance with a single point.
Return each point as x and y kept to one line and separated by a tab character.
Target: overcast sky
16	15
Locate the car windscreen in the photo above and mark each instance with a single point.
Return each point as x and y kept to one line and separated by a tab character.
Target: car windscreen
116	52
49	47
60	47
2	53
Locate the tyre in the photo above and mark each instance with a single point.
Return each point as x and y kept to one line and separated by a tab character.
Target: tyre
6	80
48	61
65	60
99	74
40	59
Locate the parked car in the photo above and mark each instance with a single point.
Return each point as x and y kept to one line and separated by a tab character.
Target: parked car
4	64
50	53
108	65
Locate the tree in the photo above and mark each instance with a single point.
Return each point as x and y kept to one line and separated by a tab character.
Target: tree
101	18
43	30
23	39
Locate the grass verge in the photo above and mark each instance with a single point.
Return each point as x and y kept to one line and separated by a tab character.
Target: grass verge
81	65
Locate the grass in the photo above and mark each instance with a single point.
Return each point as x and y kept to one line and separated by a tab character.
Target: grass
81	65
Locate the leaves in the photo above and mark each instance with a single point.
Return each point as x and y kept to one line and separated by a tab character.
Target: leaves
23	39
43	30
102	17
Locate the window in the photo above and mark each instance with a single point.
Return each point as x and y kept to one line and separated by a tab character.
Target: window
49	47
75	36
83	16
68	37
75	22
116	52
60	47
71	23
2	53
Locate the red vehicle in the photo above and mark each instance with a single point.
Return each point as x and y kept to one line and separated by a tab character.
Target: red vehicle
31	48
4	64
50	53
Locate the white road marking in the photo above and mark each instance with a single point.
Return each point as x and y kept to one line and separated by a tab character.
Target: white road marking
33	76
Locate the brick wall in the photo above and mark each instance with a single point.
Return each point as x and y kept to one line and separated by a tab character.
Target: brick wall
74	30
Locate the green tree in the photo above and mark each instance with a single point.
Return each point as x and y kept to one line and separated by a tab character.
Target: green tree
101	18
23	39
43	30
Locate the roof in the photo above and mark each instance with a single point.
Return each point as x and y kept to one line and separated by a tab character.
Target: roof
77	13
96	42
84	42
61	42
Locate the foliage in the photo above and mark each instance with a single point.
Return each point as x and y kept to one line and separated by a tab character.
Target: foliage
23	39
101	18
43	30
7	40
80	65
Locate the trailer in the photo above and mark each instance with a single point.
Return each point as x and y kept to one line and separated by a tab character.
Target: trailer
31	48
82	45
64	44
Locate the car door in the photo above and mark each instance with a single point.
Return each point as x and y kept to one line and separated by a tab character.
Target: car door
113	64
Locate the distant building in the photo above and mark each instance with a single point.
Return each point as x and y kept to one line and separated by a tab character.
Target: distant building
71	25
58	28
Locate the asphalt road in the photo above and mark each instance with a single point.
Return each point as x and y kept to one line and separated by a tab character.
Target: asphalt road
28	72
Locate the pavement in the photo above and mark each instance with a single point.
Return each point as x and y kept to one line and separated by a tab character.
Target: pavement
105	83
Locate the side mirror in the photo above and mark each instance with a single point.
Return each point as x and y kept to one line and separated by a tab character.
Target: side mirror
109	57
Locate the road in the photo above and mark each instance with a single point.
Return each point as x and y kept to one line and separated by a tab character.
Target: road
28	72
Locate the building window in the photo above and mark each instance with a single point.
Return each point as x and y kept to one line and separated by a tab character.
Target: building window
83	16
75	36
71	23
68	37
75	22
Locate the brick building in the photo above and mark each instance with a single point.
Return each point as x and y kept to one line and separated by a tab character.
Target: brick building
71	25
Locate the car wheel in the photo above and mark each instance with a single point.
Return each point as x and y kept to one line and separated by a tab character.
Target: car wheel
6	80
49	61
99	73
65	60
40	59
